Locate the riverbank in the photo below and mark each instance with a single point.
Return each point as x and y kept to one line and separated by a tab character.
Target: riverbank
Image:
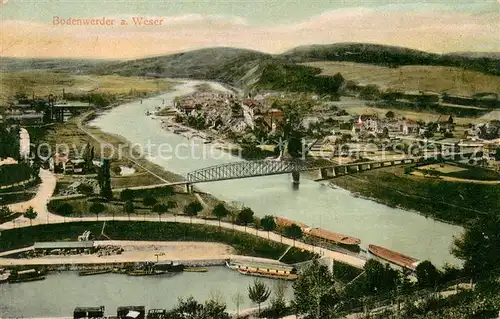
445	201
194	253
247	244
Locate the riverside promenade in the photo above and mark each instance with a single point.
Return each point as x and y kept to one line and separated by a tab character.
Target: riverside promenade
355	261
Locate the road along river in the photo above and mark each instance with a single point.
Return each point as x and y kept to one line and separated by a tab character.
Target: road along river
313	203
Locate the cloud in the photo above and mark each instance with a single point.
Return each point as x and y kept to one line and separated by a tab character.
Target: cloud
434	31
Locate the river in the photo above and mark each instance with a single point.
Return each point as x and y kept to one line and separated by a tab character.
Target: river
60	293
312	203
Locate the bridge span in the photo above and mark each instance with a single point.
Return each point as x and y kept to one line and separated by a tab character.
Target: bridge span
247	169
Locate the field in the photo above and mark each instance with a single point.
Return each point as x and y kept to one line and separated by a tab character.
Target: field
465	173
43	83
414	78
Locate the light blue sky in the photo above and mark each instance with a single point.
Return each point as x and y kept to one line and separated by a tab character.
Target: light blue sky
256	12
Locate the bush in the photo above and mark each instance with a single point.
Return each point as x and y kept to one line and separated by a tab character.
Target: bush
15	173
85	189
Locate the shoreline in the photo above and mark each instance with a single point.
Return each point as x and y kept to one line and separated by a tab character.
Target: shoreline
381	201
189	253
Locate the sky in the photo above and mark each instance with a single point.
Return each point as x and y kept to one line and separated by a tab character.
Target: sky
33	28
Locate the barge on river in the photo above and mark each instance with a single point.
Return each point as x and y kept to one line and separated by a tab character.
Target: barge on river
394	257
344	241
26	276
94	272
261	269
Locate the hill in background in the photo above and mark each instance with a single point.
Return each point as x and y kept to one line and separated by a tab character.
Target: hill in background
227	65
49	64
305	68
452	80
246	68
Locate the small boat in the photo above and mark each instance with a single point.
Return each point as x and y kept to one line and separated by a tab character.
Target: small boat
168	266
147	273
94	272
119	271
4	276
26	276
393	257
196	269
18	280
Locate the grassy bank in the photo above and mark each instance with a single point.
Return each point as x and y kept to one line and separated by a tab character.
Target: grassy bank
448	201
244	244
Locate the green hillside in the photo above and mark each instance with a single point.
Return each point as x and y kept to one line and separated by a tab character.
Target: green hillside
222	64
390	56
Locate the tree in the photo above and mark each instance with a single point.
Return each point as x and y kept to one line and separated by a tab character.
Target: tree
126	195
369	92
497	154
191	309
172	204
149	201
4	212
30	214
88	157
379	278
65	209
238	300
293	231
245	217
192	209
479	245
278	304
390	115
220	211
160	209
97	208
129	208
268	224
314	292
295	146
427	274
385	132
258	292
104	178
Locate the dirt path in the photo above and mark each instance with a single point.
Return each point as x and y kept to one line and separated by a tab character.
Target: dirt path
455	179
39	202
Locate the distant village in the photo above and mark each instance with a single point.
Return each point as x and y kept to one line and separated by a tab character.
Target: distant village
240	118
34	110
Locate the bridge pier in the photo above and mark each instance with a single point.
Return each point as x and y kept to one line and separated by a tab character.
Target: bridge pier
188	188
296	177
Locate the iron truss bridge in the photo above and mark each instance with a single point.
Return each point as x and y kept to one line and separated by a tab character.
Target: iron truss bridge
245	169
